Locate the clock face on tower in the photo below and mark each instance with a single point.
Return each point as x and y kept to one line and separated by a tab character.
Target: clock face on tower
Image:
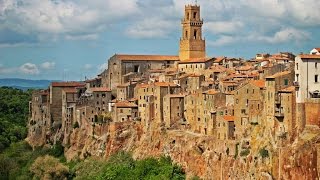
191	44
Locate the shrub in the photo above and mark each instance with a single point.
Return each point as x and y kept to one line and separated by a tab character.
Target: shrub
48	167
76	125
245	152
264	153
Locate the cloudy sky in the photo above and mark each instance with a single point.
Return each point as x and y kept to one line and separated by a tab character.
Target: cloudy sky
72	39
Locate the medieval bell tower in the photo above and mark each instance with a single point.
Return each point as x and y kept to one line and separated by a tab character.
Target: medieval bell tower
191	43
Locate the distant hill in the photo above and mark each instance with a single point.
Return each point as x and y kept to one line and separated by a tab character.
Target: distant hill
25	84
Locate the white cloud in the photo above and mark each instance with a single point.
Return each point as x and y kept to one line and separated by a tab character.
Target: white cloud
29	68
150	28
87	66
284	35
6	70
102	67
223	27
84	37
64	18
223	40
48	65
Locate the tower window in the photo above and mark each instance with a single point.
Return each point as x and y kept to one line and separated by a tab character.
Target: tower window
188	16
186	34
316	78
195	15
195	34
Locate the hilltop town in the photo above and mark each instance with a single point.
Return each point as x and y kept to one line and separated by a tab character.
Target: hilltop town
217	117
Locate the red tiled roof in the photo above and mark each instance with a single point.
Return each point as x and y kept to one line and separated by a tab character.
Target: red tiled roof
67	84
70	90
259	83
219	59
228	118
125	104
143	85
288	89
100	89
212	92
279	74
164	84
318	49
195	60
128	57
309	56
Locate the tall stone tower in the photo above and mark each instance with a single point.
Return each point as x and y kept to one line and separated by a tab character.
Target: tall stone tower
191	43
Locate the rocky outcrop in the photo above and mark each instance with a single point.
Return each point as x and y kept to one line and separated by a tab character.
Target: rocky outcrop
258	156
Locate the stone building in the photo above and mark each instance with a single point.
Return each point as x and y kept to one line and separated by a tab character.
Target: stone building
248	106
55	100
173	110
275	83
125	111
192	44
120	65
307	73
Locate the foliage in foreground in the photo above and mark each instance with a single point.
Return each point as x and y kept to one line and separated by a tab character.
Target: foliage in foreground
123	166
14	108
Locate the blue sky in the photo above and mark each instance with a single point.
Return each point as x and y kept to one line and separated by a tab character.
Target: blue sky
72	39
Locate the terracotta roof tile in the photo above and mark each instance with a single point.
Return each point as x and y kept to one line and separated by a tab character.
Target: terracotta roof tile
164	84
70	90
128	57
100	89
278	74
195	60
67	84
288	89
228	118
259	83
219	59
309	56
211	92
125	104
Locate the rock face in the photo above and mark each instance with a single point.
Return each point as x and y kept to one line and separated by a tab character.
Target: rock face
257	156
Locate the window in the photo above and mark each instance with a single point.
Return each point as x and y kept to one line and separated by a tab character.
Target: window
121	110
297	77
195	15
286	82
186	34
297	65
188	16
195	34
252	91
247	91
316	78
316	65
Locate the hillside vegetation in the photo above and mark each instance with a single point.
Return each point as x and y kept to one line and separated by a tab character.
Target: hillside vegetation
14	105
19	161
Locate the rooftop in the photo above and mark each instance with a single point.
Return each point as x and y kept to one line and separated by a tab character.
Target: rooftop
279	74
195	60
67	84
288	89
228	118
100	89
125	104
129	57
309	56
259	83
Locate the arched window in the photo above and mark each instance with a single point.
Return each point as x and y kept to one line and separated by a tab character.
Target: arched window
194	15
